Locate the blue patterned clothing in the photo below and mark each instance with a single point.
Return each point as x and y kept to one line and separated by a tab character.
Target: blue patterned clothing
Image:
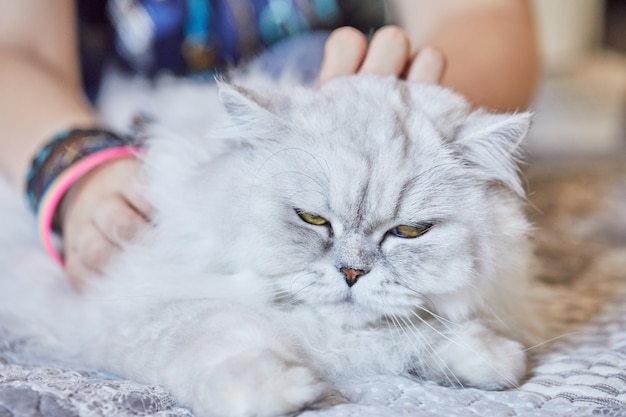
201	36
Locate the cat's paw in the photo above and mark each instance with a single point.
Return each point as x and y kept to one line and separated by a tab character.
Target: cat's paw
259	383
479	358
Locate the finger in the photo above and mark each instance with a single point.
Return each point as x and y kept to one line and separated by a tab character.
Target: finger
428	66
93	248
76	271
132	191
388	52
86	249
139	203
117	221
343	53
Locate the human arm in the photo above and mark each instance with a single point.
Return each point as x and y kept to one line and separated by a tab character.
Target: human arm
39	80
41	96
489	48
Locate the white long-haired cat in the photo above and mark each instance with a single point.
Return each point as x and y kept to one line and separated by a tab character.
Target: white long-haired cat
368	226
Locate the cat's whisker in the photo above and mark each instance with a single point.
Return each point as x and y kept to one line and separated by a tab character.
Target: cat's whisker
439	318
391	323
448	324
398	333
295	279
403	331
425	345
443	320
294	293
291	295
469	349
552	339
323	169
418	337
443	367
289	196
401	328
314	180
496	317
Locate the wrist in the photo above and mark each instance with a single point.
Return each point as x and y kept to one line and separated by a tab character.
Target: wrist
60	164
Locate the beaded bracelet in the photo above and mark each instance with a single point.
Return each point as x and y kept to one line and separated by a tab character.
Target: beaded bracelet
60	164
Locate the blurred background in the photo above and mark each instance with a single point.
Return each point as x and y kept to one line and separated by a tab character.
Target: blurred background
581	103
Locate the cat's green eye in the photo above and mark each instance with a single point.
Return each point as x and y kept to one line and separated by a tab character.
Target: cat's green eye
313	219
410	232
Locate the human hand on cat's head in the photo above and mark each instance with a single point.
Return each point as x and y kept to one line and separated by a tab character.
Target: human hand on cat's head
100	212
389	53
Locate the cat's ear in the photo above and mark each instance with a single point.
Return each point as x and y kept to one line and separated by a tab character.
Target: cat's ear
490	144
241	103
250	110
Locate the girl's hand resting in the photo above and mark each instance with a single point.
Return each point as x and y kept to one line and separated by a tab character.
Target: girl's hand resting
100	212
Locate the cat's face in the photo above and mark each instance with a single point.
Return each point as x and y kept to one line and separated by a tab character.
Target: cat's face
367	200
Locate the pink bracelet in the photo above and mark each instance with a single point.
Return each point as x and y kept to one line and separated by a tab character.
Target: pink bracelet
59	186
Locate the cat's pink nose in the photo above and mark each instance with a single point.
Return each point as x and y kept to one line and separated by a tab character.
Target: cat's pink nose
352	275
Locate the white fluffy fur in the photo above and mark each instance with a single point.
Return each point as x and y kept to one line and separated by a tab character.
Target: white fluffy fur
238	307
